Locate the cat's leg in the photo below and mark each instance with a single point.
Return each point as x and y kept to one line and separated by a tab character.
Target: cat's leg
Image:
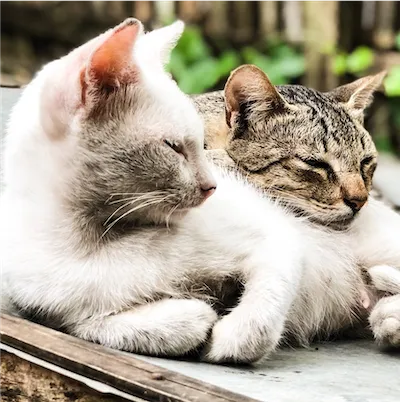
254	328
376	236
385	278
385	321
169	327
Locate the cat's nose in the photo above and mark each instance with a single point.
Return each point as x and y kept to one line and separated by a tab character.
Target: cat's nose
208	190
355	203
354	192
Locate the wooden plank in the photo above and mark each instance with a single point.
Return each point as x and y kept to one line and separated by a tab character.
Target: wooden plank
384	35
164	13
293	21
217	24
397	17
119	370
187	9
351	33
268	17
321	35
242	21
22	380
143	11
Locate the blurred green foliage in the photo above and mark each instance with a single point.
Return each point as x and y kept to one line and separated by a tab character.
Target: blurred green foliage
356	63
197	70
360	60
392	81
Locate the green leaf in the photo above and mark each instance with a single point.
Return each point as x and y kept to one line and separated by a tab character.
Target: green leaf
392	82
339	64
199	77
249	55
228	61
192	46
383	143
176	65
282	51
398	41
291	67
360	60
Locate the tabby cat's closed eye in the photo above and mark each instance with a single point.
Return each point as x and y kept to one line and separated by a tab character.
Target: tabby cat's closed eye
317	164
367	161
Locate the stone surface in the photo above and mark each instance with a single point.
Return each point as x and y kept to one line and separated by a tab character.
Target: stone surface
351	371
346	371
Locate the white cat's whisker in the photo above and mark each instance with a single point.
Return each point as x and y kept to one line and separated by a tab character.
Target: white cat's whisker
131	195
143	205
133	198
167	219
129	200
115	212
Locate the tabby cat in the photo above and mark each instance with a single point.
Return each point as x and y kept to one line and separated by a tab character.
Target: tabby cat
310	151
307	148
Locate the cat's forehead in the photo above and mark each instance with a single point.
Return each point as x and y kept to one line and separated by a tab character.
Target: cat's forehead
321	119
157	120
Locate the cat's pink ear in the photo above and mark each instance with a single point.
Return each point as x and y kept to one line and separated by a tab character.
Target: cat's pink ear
248	85
358	95
111	64
76	79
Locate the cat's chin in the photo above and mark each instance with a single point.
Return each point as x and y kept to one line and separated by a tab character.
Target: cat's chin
338	225
341	224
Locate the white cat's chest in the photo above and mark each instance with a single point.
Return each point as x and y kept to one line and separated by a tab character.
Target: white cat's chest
331	288
38	269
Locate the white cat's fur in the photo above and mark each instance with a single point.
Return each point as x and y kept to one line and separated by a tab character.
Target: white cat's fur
132	293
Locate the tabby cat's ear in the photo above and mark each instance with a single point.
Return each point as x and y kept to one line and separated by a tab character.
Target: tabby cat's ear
358	95
111	64
249	87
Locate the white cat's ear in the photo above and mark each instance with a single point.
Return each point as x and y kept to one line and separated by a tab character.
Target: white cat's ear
74	80
111	64
358	95
156	46
248	86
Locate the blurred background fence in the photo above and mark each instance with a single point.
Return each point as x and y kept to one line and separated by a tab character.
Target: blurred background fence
319	44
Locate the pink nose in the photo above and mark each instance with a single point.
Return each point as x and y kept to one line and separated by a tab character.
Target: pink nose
208	192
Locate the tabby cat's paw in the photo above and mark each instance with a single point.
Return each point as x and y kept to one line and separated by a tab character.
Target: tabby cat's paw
385	321
240	341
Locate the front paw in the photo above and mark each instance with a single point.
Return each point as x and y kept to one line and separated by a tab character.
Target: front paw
239	340
385	321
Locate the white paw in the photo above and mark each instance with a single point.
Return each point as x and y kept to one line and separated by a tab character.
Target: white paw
170	327
186	325
385	321
239	340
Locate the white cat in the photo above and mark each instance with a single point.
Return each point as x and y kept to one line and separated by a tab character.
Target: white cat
105	233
